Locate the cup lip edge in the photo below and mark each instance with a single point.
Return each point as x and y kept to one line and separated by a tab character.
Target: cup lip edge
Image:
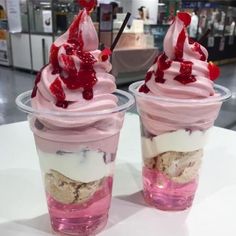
133	89
29	110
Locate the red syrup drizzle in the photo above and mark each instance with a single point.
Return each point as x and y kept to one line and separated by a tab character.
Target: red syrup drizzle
88	4
197	48
54	59
179	49
144	88
58	92
184	17
163	65
84	79
185	76
37	80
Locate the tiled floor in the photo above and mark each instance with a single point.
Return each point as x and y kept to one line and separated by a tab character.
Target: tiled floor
15	82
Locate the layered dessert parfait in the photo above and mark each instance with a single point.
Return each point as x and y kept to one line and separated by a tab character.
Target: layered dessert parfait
76	117
178	105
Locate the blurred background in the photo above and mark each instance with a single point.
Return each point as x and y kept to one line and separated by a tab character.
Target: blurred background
28	28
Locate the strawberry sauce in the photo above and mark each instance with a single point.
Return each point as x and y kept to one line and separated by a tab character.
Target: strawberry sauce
37	80
163	64
185	76
179	49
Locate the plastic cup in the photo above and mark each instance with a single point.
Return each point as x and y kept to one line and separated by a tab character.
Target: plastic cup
77	153
174	133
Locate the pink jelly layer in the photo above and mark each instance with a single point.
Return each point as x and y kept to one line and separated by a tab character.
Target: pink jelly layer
99	204
165	194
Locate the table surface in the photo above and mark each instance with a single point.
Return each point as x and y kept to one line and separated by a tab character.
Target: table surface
23	210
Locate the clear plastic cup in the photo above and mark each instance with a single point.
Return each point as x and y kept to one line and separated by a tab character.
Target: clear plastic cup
77	153
174	133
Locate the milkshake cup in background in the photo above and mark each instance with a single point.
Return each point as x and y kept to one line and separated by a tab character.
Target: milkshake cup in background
178	104
76	115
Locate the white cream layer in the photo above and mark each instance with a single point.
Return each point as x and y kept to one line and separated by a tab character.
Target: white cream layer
178	141
85	166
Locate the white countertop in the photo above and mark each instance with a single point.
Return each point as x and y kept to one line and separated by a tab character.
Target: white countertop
23	210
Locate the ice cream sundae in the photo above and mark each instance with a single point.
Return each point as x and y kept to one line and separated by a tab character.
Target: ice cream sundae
76	115
178	105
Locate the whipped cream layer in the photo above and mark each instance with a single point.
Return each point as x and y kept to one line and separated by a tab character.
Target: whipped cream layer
177	141
84	166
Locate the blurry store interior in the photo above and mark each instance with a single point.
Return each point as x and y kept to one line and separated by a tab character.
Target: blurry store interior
28	28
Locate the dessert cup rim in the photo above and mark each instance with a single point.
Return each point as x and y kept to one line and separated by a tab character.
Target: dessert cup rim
23	100
224	92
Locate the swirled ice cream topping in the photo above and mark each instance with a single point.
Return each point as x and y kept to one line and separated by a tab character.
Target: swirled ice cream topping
76	78
182	70
76	81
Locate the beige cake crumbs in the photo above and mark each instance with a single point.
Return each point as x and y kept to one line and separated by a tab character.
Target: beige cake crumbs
180	167
68	191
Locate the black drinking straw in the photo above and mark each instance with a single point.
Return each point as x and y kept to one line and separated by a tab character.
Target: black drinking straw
201	40
120	31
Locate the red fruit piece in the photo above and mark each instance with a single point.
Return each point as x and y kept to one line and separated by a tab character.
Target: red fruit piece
57	90
185	76
105	54
54	57
69	50
148	76
185	17
62	104
185	80
88	94
37	80
163	63
214	71
88	4
197	48
69	65
144	89
179	48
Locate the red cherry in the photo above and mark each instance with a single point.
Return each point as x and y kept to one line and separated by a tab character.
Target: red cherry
88	4
214	71
185	17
